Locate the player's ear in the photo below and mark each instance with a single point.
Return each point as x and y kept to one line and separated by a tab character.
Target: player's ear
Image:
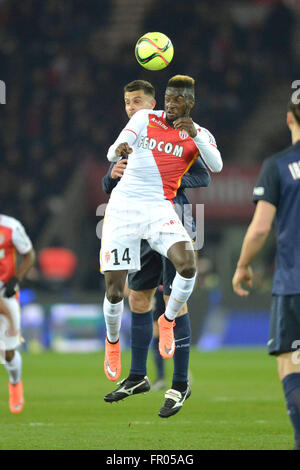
192	103
290	118
153	103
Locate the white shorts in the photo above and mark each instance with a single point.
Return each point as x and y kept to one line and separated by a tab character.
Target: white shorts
126	223
11	342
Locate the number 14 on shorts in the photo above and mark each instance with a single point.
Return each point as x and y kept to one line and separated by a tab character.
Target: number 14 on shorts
115	257
116	254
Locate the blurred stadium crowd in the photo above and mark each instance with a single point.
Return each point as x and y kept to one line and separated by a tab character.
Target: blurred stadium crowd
64	92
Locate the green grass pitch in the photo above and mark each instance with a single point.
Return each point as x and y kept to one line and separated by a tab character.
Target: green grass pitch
236	403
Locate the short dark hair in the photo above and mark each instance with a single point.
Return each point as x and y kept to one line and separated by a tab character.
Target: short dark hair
295	109
147	87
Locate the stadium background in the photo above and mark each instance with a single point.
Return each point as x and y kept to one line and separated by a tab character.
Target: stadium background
64	65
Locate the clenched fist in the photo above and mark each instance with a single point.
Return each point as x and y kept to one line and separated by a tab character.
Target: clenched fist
185	124
123	149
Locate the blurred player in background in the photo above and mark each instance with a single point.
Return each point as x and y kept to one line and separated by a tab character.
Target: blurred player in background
13	240
277	194
166	144
155	268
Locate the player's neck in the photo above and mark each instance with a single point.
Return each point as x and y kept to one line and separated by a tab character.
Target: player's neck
170	123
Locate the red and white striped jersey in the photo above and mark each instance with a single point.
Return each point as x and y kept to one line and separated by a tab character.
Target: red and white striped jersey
13	239
161	156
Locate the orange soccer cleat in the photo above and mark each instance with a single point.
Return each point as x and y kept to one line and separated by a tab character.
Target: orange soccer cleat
112	360
166	337
16	397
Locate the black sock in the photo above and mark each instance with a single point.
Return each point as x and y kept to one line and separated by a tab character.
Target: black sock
180	386
135	377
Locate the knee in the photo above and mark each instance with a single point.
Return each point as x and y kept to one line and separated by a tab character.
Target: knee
188	272
139	302
187	267
286	365
114	291
9	355
114	296
183	259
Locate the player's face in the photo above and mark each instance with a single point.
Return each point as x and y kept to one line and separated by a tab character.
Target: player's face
136	100
176	104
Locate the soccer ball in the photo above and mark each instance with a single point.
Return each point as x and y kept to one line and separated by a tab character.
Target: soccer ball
154	51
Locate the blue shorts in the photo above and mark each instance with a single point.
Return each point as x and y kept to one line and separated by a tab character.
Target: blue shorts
284	332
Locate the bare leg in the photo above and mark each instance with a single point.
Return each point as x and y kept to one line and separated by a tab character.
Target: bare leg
113	303
183	259
140	301
115	283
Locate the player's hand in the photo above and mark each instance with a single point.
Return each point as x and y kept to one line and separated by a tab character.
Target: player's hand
185	124
123	149
118	169
11	287
242	274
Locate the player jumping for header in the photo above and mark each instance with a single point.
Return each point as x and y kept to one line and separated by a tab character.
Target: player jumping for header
155	269
162	145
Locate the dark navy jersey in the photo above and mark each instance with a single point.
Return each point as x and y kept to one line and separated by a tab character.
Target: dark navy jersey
279	184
